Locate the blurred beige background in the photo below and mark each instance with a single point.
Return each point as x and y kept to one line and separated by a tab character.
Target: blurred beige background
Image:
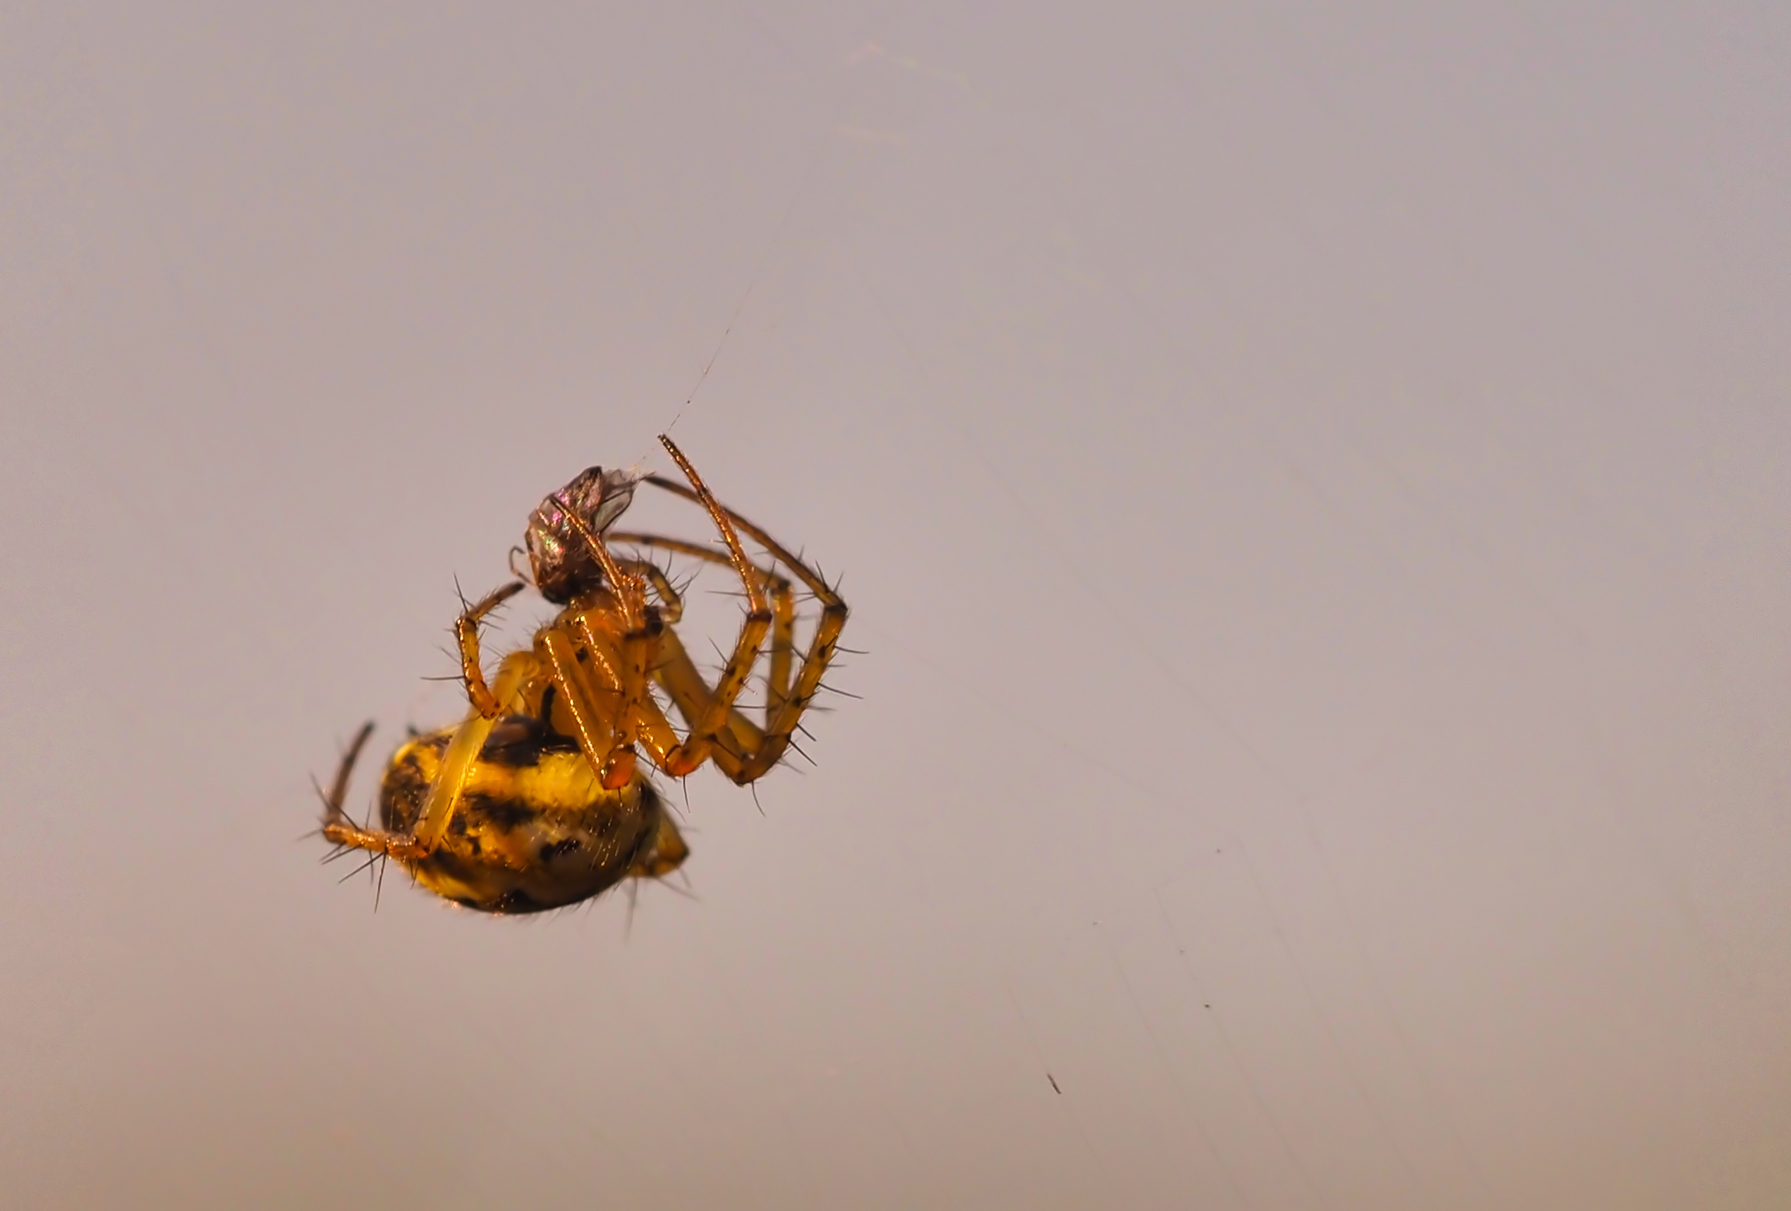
1310	480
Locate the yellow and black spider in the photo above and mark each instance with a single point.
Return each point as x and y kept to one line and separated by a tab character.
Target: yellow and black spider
535	800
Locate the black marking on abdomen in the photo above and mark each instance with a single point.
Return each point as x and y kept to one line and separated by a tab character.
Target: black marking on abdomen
556	849
522	740
506	815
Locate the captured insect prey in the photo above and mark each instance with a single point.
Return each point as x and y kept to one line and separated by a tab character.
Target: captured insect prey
537	798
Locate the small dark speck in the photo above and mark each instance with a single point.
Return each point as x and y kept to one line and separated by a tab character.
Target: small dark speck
1053	1081
1209	1006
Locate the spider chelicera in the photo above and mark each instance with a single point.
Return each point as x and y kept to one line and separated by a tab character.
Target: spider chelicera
536	799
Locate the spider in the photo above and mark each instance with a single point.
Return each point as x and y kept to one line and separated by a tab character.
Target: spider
537	799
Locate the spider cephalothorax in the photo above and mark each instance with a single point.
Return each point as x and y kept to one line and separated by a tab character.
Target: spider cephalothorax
535	799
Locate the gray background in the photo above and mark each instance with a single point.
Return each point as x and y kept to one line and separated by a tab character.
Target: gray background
1310	480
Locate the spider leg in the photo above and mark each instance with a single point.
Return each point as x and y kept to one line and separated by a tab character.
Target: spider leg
332	802
518	676
713	715
691	696
337	826
469	738
641	626
783	629
466	633
783	718
671	605
590	673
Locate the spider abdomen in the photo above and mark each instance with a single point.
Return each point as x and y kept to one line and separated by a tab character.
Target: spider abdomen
535	829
